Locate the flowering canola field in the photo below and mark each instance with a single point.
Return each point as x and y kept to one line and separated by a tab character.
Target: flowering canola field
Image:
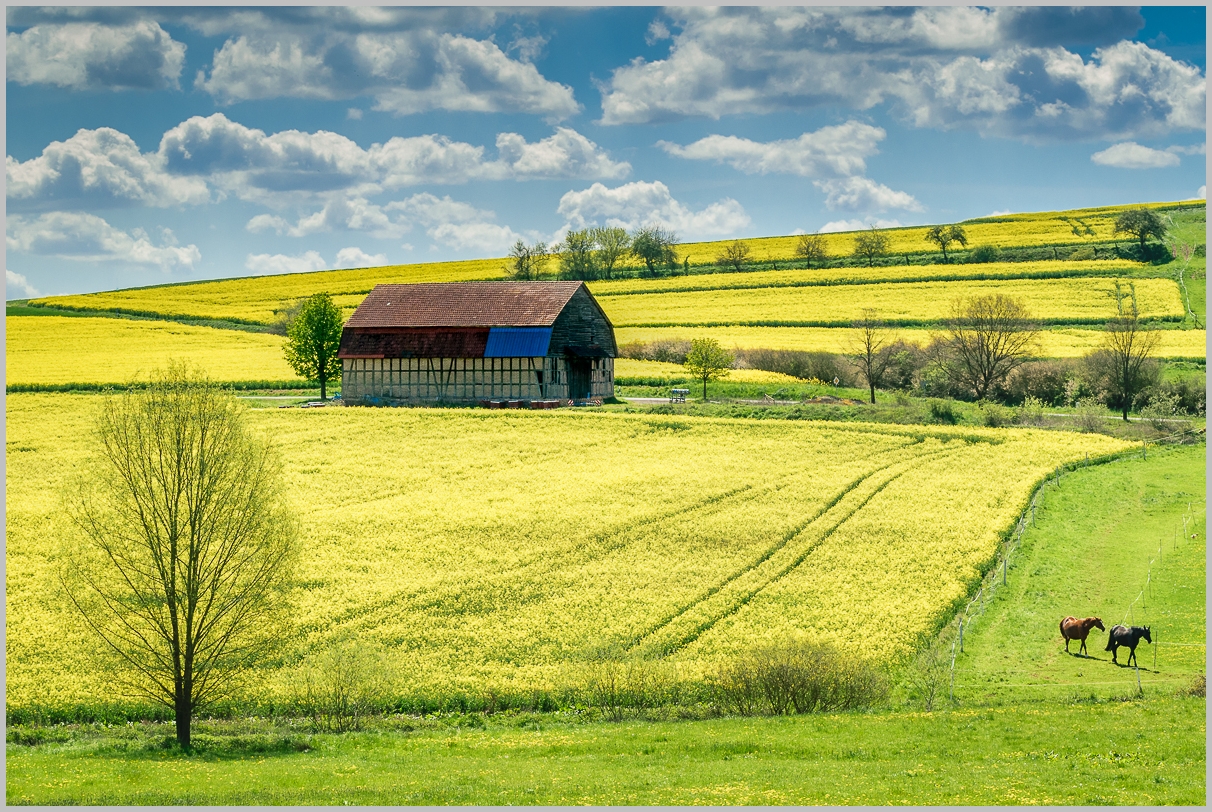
1058	342
1081	300
490	551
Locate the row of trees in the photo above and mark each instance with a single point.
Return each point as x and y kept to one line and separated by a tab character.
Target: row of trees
595	253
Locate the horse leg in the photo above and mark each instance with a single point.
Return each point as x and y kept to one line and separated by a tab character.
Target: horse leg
1066	645
1082	650
1114	651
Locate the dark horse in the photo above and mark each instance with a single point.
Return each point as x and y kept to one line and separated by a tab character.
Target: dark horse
1123	636
1075	629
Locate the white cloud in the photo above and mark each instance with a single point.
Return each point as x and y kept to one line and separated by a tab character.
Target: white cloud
18	281
282	263
86	237
291	166
839	150
1000	71
1193	149
857	225
641	204
338	214
94	56
1202	194
405	71
101	167
487	238
354	257
1131	155
864	194
354	114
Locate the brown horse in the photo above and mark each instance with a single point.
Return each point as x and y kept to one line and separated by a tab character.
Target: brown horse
1073	629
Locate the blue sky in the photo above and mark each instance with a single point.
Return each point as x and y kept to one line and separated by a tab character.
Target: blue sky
147	146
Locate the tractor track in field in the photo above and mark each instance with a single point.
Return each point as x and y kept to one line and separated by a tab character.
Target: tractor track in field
763	571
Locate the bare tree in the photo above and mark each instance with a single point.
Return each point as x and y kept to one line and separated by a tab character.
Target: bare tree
735	255
987	338
526	261
185	545
811	248
871	351
870	245
1123	360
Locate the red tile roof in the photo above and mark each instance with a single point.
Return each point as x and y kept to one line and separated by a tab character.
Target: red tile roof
464	304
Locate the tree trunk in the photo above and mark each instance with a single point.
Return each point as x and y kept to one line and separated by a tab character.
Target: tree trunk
323	387
873	393
184	714
1126	413
704	390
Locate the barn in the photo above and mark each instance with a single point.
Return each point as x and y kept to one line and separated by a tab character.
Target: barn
475	341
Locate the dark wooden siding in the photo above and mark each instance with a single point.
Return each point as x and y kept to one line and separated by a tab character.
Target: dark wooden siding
582	329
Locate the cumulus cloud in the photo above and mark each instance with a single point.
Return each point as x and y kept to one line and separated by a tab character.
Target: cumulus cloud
839	150
101	167
87	237
283	263
409	71
998	71
338	214
16	282
1202	193
93	56
643	204
1131	155
354	257
857	225
289	165
864	194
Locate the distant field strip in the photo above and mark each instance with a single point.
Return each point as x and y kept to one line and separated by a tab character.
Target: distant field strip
1071	301
862	276
1059	342
500	552
260	299
61	350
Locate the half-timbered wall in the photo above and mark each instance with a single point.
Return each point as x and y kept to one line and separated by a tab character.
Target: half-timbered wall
467	379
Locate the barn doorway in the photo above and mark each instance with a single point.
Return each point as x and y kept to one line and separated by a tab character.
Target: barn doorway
580	380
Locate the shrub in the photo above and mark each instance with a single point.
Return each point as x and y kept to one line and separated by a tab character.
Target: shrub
1031	413
995	415
1082	254
798	677
1161	407
822	366
906	360
1190	392
1090	414
943	411
928	672
985	253
668	350
340	687
617	682
1044	380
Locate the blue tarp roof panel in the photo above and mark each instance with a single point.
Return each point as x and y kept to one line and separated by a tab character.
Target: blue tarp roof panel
517	342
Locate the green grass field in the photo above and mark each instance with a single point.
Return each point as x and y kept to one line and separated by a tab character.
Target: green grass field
1119	752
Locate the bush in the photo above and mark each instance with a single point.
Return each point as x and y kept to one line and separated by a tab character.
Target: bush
340	687
798	677
985	253
1090	415
1082	254
822	366
995	415
1161	408
1190	392
617	682
943	411
1044	380
667	350
1031	413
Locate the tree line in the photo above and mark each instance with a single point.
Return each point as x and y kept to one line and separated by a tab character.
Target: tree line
596	253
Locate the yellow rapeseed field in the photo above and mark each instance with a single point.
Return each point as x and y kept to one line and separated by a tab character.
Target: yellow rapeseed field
1059	342
89	350
260	299
1089	300
499	551
857	276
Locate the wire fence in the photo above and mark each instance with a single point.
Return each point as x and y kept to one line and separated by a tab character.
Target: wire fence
998	573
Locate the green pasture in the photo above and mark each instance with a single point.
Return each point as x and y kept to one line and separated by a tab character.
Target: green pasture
1093	549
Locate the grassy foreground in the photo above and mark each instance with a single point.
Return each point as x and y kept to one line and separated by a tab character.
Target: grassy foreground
1116	752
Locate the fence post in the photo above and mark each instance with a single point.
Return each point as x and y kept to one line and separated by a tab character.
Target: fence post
961	635
951	690
1004	567
1155	645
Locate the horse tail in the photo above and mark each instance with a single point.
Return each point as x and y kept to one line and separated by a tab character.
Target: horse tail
1062	629
1110	639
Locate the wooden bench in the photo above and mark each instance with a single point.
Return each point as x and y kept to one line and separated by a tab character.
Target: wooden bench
678	395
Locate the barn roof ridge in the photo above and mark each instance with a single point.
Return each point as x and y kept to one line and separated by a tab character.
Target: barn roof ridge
464	304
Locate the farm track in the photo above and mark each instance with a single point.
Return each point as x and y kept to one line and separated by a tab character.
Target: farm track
532	582
725	599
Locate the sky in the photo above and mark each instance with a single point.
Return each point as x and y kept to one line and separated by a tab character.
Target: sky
146	146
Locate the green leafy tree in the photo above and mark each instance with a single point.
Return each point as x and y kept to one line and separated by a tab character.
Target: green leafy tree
943	236
708	361
185	545
871	245
578	259
1141	224
811	248
654	246
526	261
734	255
312	341
612	244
